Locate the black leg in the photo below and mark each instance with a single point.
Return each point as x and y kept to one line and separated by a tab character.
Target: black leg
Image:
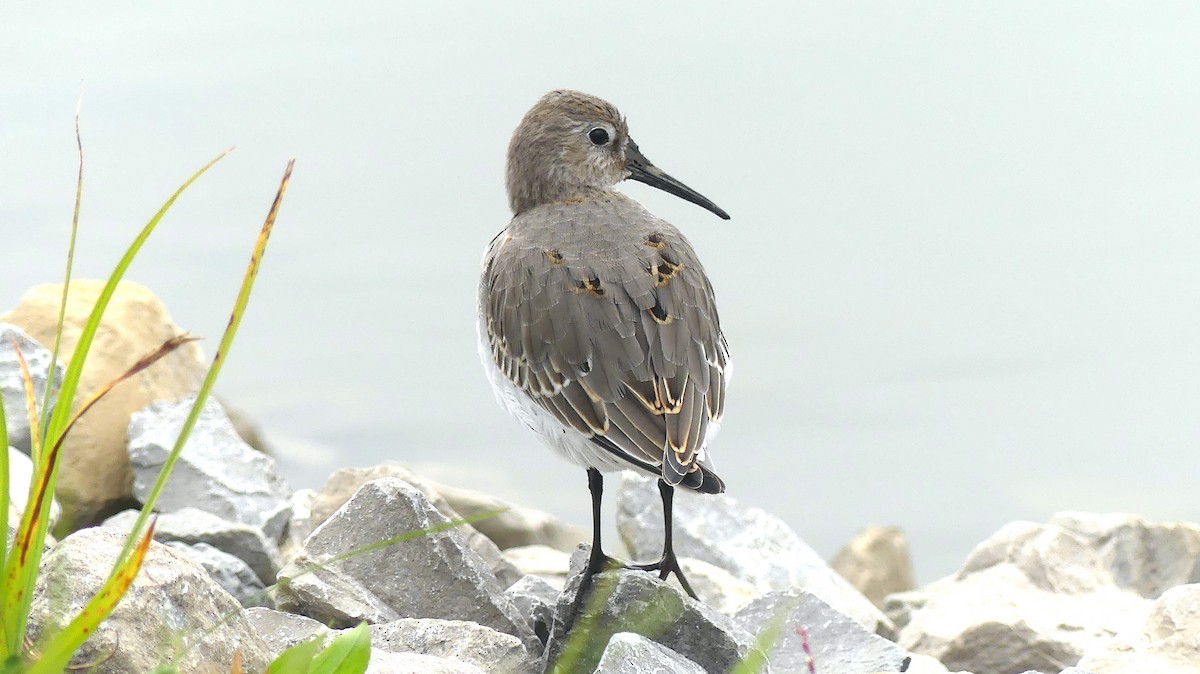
668	564
597	561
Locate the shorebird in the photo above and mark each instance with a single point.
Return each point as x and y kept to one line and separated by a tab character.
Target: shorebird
597	325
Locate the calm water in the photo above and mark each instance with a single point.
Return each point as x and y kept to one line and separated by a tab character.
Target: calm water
960	282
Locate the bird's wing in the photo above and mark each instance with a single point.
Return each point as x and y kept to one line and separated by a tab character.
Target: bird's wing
624	346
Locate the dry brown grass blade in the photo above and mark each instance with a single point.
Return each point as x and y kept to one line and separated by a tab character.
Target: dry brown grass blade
146	361
236	666
31	407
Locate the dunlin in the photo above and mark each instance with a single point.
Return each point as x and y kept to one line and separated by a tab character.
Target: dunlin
598	327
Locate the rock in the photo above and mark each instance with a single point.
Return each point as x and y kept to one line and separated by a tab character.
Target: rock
716	586
173	607
876	562
300	525
383	662
838	644
547	563
433	575
923	664
1145	557
282	630
217	472
456	640
748	542
636	601
12	381
231	573
94	478
20	477
343	483
535	599
189	525
515	526
247	429
630	653
1166	641
1038	596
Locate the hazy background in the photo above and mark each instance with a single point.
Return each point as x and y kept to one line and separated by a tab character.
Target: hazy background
961	283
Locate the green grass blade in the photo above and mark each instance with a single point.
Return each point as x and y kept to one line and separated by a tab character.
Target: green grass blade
297	659
56	655
347	654
4	491
20	572
235	320
62	309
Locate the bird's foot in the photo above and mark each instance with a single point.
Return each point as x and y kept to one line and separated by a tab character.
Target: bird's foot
665	567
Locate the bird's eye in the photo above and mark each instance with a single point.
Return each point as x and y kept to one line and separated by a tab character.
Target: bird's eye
598	136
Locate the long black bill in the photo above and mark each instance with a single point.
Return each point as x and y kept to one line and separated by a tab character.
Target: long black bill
641	170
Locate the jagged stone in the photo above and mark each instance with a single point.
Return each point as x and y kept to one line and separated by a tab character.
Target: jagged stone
282	630
1166	641
535	599
384	662
94	478
344	483
838	644
173	613
12	381
715	586
636	601
543	561
457	640
876	562
217	471
20	477
1036	596
748	542
514	526
231	573
433	575
189	525
630	653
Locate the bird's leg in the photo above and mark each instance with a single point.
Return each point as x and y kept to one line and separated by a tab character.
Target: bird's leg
668	564
597	561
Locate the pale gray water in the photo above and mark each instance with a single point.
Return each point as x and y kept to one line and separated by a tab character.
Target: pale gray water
960	283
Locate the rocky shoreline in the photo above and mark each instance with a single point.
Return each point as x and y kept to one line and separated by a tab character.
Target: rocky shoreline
243	563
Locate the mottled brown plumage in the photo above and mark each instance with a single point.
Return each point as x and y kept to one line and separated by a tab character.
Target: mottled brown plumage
598	326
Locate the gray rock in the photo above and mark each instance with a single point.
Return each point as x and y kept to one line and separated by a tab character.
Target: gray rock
456	640
1143	556
20	477
217	471
630	653
549	564
433	575
838	644
231	573
717	587
748	542
383	662
173	612
189	525
635	601
1038	596
12	381
535	599
514	526
1165	641
876	562
282	630
300	524
342	484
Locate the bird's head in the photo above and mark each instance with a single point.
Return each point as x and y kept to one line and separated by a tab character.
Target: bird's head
571	144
